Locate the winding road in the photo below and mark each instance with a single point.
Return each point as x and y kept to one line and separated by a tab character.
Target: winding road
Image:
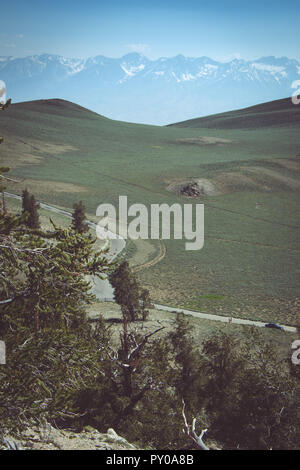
104	291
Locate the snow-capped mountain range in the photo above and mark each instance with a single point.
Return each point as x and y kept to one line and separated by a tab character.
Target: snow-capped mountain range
134	88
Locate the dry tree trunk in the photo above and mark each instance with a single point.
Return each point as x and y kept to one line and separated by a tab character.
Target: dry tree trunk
191	431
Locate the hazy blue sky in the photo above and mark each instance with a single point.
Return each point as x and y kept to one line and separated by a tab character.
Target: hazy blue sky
218	29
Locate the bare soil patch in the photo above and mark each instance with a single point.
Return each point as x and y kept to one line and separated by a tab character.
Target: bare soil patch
18	152
235	181
288	163
194	187
46	187
284	175
275	176
203	140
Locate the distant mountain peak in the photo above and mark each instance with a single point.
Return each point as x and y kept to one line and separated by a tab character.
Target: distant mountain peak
136	88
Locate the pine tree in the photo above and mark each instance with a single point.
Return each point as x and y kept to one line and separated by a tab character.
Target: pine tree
188	371
128	293
79	218
30	209
25	201
33	219
44	292
145	302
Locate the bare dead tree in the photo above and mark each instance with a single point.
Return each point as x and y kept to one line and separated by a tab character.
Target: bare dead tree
190	430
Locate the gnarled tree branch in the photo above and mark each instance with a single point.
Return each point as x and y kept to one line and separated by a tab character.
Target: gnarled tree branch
191	431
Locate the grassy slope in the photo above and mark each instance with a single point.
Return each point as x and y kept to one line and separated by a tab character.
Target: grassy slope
249	265
272	114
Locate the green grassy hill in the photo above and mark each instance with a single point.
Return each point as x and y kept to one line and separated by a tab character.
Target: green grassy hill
247	177
272	114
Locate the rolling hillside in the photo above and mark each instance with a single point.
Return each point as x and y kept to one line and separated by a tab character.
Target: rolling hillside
248	179
279	113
